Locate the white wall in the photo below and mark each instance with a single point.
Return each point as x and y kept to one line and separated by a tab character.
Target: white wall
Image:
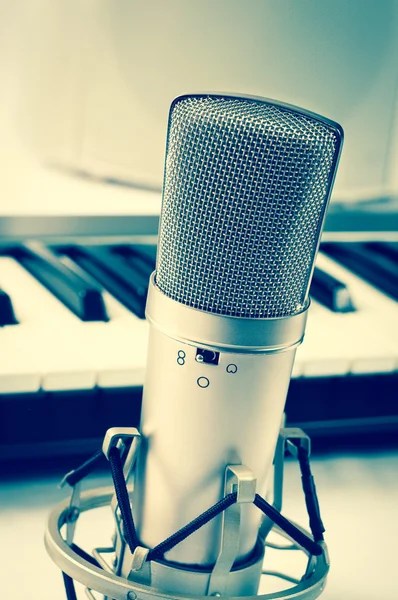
96	77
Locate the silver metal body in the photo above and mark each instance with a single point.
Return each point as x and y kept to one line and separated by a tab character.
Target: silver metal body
197	418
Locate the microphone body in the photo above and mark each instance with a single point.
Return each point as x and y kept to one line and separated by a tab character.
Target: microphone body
247	183
199	416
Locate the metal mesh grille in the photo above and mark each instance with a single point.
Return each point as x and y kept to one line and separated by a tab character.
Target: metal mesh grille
245	190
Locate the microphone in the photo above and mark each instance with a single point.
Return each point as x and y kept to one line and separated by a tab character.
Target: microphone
246	187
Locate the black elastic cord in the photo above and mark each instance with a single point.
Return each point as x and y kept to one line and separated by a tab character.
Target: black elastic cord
193	526
68	581
69	587
83	554
311	498
123	499
288	527
158	551
80	472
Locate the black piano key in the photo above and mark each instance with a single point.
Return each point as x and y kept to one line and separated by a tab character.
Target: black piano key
83	299
7	316
127	285
148	253
73	266
391	248
137	259
384	253
331	292
358	258
134	276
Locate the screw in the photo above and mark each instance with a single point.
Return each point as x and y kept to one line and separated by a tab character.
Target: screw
73	514
131	595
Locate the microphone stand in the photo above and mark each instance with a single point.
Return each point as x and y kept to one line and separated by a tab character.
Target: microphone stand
130	573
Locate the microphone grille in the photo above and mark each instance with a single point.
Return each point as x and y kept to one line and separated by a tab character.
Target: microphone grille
246	188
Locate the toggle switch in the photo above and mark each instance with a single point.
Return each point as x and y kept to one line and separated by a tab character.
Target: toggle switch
208	357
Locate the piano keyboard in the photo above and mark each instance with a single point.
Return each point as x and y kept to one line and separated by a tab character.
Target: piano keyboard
73	327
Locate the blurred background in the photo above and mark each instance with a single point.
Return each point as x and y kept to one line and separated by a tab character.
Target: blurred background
86	87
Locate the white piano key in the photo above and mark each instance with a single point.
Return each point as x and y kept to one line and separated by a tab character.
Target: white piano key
364	294
113	352
67	353
377	315
47	334
18	373
126	337
117	349
316	357
359	342
336	345
297	368
379	364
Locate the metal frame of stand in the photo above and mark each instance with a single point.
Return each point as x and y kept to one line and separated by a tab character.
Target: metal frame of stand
98	575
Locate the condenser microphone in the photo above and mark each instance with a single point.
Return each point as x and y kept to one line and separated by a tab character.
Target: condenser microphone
246	187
